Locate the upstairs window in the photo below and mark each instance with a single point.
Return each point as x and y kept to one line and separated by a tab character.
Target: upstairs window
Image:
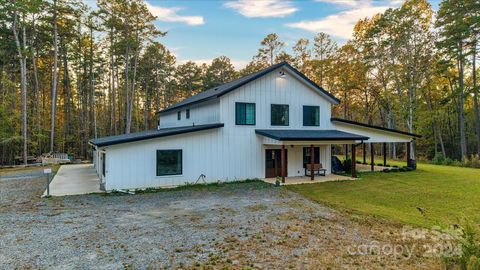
169	162
311	116
244	113
187	114
279	115
179	115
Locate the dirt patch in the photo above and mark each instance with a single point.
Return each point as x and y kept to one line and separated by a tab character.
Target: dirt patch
238	226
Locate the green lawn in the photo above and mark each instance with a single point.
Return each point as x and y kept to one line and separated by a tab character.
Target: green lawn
447	194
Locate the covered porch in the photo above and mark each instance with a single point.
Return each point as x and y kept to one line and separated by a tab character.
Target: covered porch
304	155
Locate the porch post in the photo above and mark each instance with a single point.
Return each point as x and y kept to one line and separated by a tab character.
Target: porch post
312	171
283	163
364	153
408	154
384	154
372	159
354	161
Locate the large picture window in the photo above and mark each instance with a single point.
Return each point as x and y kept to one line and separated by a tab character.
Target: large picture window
311	115
244	113
169	162
279	115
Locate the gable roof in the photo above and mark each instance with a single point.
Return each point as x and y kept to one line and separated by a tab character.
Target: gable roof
218	91
350	122
149	134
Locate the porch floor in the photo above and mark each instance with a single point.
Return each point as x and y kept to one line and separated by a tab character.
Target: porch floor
297	180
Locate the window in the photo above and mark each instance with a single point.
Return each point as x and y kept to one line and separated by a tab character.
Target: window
279	115
179	115
169	162
311	115
187	114
306	155
244	113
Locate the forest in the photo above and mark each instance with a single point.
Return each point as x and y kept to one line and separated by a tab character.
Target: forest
69	73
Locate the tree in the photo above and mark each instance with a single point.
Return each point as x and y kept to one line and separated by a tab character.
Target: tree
220	71
324	49
272	47
454	34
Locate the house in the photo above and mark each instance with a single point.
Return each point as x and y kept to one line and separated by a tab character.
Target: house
263	125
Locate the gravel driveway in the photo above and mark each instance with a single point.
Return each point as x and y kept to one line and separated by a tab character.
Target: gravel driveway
244	225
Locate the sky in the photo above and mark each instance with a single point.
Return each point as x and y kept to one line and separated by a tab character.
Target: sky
200	30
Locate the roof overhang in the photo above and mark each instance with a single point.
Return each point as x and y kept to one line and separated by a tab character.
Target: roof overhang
301	135
376	133
150	134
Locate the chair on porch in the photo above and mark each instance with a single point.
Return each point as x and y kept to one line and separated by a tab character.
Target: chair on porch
316	170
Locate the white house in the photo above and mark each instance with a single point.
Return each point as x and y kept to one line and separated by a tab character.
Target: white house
262	125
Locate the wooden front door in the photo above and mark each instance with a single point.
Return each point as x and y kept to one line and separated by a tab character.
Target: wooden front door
273	163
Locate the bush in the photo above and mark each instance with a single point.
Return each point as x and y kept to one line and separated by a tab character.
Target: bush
438	159
379	164
386	170
395	166
469	243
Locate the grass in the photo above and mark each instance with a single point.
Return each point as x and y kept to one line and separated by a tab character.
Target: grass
431	195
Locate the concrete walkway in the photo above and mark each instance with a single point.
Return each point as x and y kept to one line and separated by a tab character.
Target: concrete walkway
75	180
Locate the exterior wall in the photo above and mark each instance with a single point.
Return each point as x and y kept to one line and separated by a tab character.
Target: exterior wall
271	89
204	113
375	135
229	153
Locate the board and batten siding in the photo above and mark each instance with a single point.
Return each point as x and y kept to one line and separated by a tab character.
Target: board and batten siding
200	114
229	153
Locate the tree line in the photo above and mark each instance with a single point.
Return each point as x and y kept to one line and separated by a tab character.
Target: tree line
69	73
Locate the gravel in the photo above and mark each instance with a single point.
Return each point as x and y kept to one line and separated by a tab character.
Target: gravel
229	226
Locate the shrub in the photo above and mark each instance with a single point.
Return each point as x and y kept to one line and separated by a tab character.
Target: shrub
469	244
448	161
388	165
395	166
394	169
379	164
386	170
438	159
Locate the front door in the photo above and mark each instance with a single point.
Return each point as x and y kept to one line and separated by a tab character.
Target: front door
273	163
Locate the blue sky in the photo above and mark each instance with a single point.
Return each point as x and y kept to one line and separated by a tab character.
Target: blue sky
202	30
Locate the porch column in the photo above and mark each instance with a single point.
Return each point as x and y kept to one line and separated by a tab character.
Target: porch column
283	163
408	153
354	161
372	159
312	171
364	153
384	154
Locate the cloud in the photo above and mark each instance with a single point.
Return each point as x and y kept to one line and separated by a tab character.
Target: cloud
339	25
349	3
169	14
262	8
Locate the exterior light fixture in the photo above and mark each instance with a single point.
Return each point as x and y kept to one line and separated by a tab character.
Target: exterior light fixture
282	74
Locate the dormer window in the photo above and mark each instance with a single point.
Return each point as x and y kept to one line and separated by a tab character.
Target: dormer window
179	115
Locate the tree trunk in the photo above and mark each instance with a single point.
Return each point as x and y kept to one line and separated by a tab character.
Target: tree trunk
127	90
463	140
475	97
54	83
23	82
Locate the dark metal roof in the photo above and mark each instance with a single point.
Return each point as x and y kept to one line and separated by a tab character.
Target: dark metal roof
223	89
150	134
309	135
372	126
